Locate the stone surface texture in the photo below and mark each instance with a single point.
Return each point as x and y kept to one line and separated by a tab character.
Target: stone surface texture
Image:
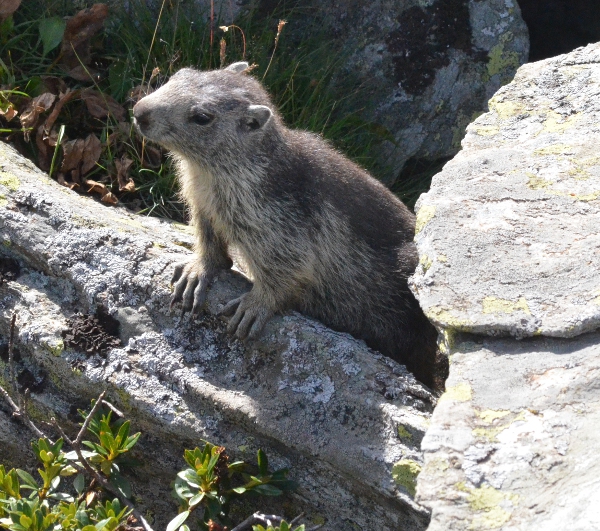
510	273
508	234
420	69
319	402
424	69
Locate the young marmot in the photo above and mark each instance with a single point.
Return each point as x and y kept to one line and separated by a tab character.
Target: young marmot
316	232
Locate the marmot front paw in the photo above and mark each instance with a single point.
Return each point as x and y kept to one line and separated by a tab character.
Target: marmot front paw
249	316
191	281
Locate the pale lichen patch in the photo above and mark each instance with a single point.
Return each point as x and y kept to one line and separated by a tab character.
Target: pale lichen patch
503	306
404	474
9	180
461	392
424	216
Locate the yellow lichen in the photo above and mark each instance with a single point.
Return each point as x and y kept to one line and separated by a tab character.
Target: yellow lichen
461	392
487	130
506	109
557	123
500	61
442	258
490	415
404	474
424	216
486	500
555	149
499	306
438	464
426	262
446	319
9	180
403	433
55	347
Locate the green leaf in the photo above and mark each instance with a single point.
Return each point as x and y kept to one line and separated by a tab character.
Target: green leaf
79	483
177	521
130	442
195	500
121	484
51	32
27	478
268	490
101	524
263	463
123	433
61	496
239	490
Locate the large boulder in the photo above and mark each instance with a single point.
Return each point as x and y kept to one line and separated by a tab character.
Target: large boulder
421	70
510	273
83	277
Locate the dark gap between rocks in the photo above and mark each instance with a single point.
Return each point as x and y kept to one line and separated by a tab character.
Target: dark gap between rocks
560	26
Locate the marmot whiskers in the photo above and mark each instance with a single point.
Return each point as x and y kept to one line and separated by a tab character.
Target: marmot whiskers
316	232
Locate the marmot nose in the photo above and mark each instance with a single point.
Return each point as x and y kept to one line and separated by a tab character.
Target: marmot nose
141	115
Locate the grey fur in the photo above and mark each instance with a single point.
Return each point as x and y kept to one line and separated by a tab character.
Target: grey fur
317	233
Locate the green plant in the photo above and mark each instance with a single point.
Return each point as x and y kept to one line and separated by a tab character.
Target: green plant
208	484
138	48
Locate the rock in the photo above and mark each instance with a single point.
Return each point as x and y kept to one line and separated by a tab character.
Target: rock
508	235
513	443
509	246
421	71
424	69
92	297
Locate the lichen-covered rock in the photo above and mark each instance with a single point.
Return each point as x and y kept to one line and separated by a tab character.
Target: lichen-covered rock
337	414
513	443
509	246
421	70
508	235
425	69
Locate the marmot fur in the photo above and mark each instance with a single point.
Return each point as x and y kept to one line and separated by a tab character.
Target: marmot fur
317	233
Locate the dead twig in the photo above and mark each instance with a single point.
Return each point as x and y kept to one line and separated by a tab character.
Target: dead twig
267	520
93	473
19	412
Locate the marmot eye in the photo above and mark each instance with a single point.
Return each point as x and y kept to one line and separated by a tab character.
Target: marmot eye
201	118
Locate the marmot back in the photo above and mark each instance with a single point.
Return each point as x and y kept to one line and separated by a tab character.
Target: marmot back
318	234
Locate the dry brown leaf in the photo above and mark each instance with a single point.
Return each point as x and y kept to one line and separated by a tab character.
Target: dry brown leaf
45	152
36	106
84	73
9	113
95	187
62	99
8	7
76	44
80	156
98	188
101	105
126	183
54	84
109	198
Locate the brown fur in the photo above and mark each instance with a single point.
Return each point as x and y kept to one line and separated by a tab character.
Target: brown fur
317	233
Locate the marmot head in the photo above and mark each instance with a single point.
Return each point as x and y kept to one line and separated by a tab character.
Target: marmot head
207	116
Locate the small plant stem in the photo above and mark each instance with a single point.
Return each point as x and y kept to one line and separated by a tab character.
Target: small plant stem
162	6
59	138
18	412
11	359
101	480
279	30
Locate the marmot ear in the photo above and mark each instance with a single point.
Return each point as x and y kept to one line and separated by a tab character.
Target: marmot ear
257	116
238	68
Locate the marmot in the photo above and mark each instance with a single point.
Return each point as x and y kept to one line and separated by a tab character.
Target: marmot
317	232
